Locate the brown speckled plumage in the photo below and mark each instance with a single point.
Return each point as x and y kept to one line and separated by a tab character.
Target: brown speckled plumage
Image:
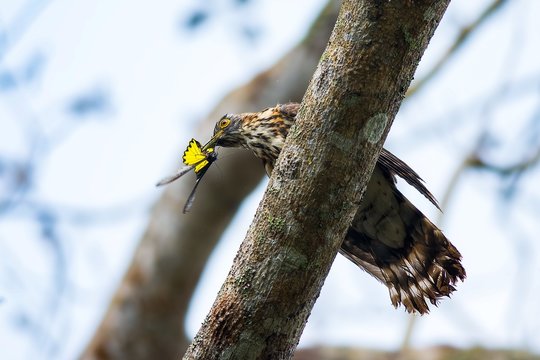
389	237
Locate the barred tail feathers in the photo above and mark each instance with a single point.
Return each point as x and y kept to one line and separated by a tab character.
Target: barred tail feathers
393	241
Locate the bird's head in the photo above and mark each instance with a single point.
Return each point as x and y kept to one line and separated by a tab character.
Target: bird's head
261	132
227	132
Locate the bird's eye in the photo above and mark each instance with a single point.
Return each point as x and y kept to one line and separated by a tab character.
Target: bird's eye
223	123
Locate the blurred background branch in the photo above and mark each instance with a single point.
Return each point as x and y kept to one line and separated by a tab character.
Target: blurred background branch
463	36
155	293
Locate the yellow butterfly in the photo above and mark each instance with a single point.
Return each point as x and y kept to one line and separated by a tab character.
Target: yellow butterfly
196	157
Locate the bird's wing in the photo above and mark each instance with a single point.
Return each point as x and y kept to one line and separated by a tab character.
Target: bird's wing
387	161
395	166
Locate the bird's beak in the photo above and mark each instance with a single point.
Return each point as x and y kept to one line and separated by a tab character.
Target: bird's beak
213	141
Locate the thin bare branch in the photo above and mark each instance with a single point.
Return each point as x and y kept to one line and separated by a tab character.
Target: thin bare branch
465	33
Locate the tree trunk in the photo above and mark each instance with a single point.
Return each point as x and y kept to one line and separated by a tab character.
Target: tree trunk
146	316
313	195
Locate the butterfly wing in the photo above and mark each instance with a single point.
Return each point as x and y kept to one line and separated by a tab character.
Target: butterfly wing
197	159
211	156
178	175
194	156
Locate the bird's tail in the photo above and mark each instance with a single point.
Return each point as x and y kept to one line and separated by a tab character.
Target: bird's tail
393	241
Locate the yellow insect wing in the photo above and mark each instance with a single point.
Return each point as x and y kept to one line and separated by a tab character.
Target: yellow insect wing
203	164
200	166
193	154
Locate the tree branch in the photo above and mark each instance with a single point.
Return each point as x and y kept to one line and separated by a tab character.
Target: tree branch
146	316
476	161
464	35
313	195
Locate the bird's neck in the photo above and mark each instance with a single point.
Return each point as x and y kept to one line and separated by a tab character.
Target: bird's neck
266	134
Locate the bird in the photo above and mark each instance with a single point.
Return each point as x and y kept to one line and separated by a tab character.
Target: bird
389	237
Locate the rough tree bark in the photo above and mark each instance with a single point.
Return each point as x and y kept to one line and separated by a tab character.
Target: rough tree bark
316	186
146	315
